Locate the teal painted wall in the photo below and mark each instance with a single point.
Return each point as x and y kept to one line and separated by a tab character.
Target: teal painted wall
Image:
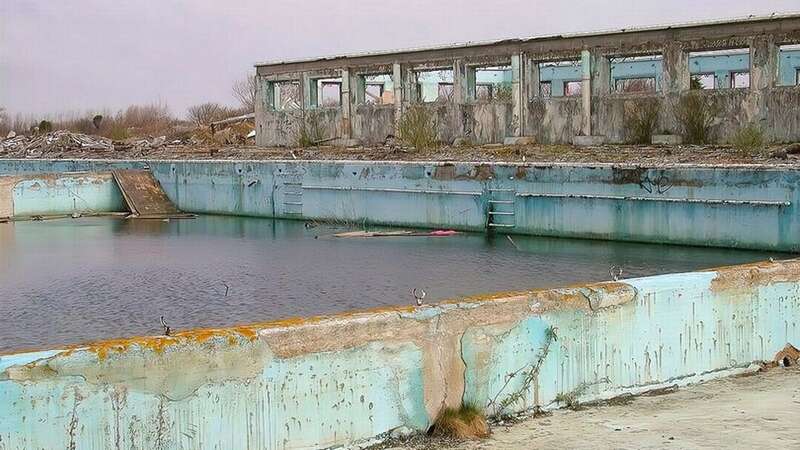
66	194
334	381
707	206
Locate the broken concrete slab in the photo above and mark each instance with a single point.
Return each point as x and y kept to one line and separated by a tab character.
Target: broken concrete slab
519	140
588	141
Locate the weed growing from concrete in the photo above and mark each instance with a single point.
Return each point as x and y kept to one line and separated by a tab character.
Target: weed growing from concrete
530	374
418	127
641	120
572	398
466	422
310	133
748	139
695	114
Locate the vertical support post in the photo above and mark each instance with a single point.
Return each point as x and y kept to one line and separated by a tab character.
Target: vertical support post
358	89
471	83
263	103
675	80
532	80
518	94
459	82
675	76
308	91
346	104
764	65
586	92
399	98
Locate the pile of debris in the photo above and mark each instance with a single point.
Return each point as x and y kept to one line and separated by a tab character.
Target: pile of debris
141	144
54	142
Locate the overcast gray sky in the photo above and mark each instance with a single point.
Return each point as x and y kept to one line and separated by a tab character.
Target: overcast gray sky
85	55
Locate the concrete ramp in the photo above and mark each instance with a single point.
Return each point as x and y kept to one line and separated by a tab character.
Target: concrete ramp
144	197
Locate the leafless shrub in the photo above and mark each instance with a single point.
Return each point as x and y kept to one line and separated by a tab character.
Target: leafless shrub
641	120
244	91
5	126
748	139
418	127
695	114
152	119
205	113
136	120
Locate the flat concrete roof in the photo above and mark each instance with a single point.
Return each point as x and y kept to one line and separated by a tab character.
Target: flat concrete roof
599	33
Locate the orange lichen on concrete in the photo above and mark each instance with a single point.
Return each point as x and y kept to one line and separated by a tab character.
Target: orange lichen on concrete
749	276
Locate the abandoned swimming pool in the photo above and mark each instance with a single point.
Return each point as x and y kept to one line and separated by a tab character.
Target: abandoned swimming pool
108	278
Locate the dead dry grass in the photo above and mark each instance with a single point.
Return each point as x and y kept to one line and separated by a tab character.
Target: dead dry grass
466	422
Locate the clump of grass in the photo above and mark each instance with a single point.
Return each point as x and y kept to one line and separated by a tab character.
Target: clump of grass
695	114
310	133
418	127
466	422
641	119
748	139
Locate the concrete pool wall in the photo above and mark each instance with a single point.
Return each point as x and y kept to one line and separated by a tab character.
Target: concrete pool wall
737	207
329	381
47	194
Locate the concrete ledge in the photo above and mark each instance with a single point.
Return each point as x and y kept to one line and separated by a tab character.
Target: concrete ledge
329	381
666	139
588	141
520	140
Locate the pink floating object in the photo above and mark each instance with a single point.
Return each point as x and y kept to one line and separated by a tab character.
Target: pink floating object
443	233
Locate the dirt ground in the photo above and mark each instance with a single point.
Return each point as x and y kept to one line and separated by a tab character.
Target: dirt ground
650	155
755	411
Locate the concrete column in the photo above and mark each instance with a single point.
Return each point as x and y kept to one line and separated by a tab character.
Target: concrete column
531	80
471	83
398	86
345	129
308	90
600	74
675	76
358	86
459	82
518	94
763	63
263	104
675	80
586	93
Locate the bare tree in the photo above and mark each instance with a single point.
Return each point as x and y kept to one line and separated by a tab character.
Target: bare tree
244	91
5	126
206	113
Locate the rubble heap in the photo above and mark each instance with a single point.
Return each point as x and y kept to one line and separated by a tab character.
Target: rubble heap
56	141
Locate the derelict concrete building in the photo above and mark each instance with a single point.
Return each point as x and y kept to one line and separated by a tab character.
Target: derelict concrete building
550	89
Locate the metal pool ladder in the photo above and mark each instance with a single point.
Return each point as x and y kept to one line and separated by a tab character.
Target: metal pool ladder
501	208
293	197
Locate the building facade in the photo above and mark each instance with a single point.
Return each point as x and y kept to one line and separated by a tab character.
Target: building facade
551	89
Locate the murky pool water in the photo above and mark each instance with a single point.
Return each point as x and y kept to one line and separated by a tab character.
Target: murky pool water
71	281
